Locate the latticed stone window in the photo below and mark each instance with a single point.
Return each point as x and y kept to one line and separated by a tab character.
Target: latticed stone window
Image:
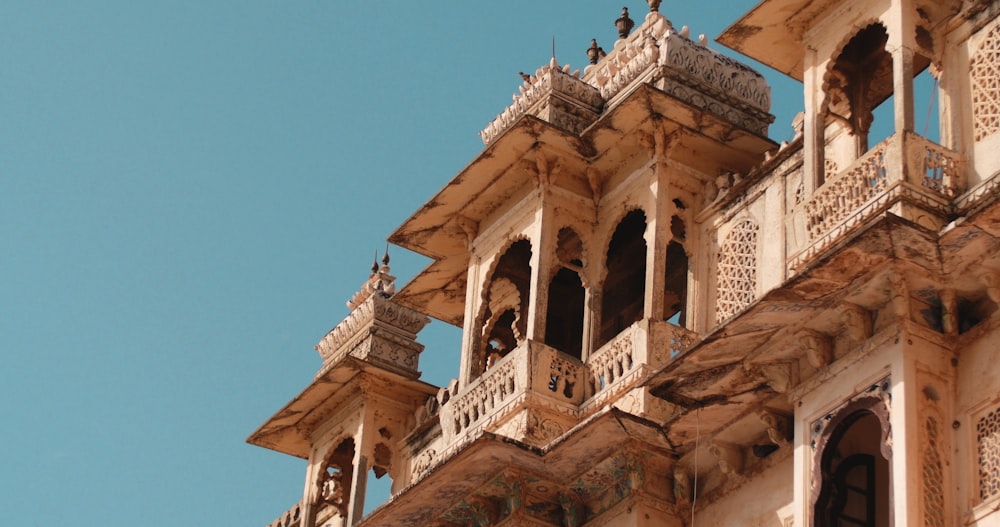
737	270
933	477
985	73
988	445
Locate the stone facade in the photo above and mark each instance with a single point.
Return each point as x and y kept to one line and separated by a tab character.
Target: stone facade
668	319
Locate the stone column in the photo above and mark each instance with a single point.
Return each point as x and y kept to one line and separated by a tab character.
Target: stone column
814	126
902	87
543	242
658	234
901	44
470	327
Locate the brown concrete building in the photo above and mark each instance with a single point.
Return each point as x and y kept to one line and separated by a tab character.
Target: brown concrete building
669	319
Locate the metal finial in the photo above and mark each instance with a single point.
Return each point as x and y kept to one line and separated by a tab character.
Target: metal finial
385	257
624	24
375	263
594	52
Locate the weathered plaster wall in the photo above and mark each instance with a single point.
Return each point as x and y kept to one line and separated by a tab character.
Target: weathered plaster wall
763	501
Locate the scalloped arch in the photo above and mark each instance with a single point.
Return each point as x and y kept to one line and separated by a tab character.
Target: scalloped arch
828	74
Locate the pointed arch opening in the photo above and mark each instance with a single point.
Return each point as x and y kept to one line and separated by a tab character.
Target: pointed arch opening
859	106
504	321
378	488
624	291
334	482
676	280
566	296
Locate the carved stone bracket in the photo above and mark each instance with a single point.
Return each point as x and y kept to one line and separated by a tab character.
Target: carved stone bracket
682	487
778	376
778	427
730	457
817	347
991	280
856	322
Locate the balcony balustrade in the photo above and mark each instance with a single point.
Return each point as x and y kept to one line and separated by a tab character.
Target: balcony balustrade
643	346
904	166
534	369
531	368
291	518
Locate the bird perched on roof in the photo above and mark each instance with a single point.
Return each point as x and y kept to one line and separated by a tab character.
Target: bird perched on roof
524	76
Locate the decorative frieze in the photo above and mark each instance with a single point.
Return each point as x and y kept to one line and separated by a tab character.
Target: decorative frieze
709	80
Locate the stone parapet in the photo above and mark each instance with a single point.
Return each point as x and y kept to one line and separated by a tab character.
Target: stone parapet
655	53
554	95
291	518
904	167
530	370
378	329
621	363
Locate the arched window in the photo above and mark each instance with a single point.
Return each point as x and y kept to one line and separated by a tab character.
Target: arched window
737	278
675	285
859	81
852	467
504	321
625	285
335	481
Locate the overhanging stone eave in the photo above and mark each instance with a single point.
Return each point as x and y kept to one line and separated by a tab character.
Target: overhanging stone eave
756	320
766	35
425	233
289	430
419	504
438	291
646	104
564	459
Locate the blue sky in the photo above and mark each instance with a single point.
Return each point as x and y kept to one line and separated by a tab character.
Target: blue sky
190	190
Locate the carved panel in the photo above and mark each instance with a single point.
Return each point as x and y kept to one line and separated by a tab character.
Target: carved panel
933	475
737	280
988	449
985	76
